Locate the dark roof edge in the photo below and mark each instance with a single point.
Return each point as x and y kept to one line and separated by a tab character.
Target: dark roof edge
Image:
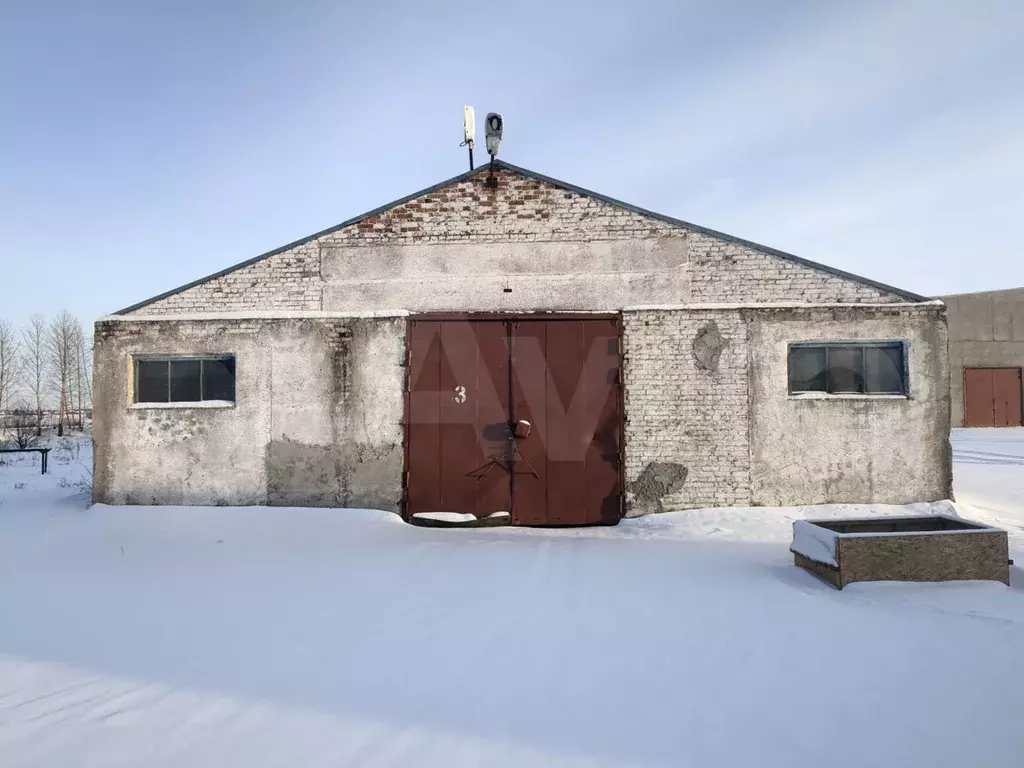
302	241
1018	289
721	235
501	164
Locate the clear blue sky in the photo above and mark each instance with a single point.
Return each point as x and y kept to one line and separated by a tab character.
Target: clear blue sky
146	144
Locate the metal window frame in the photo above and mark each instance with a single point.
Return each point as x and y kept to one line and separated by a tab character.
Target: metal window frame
904	347
201	359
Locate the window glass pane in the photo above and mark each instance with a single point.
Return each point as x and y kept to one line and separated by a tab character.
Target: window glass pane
151	381
219	379
845	370
883	369
807	369
185	381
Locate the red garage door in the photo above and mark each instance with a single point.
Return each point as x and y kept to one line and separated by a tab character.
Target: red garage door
517	415
992	397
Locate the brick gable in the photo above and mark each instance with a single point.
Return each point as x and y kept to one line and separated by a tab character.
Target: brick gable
531	216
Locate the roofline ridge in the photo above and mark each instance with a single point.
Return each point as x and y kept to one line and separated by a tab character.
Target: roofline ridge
502	165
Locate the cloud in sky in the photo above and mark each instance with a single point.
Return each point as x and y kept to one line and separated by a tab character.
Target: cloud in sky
149	144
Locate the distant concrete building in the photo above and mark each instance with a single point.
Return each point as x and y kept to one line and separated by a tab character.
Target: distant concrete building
986	357
518	344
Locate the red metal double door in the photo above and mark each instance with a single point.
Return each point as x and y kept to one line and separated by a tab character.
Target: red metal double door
992	397
515	415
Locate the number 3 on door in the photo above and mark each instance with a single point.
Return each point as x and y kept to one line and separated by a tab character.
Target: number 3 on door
460	395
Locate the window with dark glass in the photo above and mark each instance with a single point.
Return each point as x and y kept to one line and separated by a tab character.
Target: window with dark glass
184	379
877	368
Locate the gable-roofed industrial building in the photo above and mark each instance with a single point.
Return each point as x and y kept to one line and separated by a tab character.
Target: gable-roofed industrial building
509	342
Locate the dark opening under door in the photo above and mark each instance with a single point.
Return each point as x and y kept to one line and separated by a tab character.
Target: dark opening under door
519	415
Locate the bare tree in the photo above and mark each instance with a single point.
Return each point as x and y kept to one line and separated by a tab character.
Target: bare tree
81	378
34	364
60	352
79	364
69	407
85	356
22	426
9	364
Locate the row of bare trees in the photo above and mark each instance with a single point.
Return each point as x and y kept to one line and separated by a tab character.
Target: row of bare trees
45	365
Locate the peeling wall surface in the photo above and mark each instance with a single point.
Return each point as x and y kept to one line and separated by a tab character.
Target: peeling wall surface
986	330
317	419
710	422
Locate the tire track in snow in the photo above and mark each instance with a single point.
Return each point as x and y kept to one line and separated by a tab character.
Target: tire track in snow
158	693
58	692
69	709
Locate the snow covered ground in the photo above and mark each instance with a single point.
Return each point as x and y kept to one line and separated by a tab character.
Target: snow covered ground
293	637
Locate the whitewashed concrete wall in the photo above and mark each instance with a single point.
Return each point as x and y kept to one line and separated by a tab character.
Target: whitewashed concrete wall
317	419
815	450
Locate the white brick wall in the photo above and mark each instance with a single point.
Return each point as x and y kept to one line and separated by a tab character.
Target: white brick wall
722	271
676	412
287	281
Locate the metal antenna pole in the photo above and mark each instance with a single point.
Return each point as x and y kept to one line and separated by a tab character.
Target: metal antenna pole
491	182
